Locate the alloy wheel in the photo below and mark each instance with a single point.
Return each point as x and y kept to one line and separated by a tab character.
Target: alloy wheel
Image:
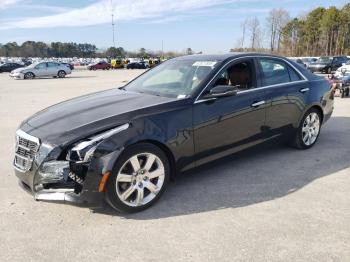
310	129
140	179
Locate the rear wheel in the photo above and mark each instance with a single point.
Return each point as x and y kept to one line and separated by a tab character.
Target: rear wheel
61	74
140	176
309	130
29	75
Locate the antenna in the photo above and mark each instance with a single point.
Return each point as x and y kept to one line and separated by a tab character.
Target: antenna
112	10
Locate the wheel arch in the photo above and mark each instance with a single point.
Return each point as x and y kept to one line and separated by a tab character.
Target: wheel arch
167	152
315	106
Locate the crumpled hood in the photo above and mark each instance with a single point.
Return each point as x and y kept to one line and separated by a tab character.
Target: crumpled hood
86	115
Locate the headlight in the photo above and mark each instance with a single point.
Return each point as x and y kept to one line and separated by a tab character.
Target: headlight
84	150
53	171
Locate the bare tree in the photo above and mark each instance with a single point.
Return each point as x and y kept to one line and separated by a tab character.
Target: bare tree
255	33
244	29
276	20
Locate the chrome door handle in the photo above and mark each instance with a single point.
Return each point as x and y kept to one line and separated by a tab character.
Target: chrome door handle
304	90
257	104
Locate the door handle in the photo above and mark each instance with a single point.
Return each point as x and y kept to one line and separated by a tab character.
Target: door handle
257	104
304	90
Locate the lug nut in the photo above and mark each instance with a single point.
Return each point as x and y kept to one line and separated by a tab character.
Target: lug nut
140	184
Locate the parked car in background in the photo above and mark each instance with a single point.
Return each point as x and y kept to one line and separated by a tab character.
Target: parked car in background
8	67
299	61
71	66
344	68
136	65
100	65
342	82
328	64
123	145
308	60
42	69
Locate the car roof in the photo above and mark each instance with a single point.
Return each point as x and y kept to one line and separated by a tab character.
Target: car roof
223	57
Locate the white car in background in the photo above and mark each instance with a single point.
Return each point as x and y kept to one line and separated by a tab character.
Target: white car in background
343	69
41	69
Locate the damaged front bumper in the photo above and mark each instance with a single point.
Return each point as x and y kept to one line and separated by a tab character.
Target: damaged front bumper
70	188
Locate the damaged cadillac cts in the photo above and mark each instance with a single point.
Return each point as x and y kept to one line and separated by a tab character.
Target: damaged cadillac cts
124	145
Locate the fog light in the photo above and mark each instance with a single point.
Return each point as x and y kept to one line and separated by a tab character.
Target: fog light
53	171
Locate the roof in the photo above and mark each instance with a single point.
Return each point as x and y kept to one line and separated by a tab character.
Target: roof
221	57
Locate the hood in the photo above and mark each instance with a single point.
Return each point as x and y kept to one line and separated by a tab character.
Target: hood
89	114
20	69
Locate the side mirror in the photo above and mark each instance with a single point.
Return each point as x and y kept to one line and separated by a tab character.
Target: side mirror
221	91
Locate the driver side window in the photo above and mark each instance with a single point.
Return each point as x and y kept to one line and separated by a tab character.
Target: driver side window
239	75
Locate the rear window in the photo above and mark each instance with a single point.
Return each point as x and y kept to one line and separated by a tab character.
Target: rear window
277	72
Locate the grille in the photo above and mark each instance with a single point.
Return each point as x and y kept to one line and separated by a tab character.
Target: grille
26	148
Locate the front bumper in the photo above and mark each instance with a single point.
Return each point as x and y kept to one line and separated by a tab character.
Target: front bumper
64	190
17	75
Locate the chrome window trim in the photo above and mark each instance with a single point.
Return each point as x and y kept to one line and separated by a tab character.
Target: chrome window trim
197	100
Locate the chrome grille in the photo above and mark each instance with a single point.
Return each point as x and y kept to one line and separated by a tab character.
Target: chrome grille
26	148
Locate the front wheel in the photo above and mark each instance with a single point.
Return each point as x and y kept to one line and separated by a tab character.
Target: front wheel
309	130
29	75
140	176
61	74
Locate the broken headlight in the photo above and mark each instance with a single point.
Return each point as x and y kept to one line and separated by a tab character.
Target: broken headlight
84	150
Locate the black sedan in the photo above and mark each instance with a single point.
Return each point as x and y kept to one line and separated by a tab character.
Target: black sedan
136	65
8	67
327	64
124	145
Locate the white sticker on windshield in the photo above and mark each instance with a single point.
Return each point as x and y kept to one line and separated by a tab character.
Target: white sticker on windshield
181	96
204	63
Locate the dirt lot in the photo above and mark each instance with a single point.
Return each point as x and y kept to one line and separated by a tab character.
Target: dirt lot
271	203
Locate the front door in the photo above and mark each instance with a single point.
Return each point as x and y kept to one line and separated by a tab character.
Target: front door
228	124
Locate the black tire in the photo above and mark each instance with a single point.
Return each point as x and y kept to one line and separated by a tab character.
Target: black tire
347	91
111	195
342	93
61	74
29	75
297	141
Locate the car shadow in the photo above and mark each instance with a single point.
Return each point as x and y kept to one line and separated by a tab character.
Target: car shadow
256	175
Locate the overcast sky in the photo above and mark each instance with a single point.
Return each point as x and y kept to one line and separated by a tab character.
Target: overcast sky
211	26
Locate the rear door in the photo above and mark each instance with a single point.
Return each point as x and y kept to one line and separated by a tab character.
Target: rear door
52	69
286	94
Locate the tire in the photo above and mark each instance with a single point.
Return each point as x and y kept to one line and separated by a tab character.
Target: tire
61	74
29	75
308	130
129	190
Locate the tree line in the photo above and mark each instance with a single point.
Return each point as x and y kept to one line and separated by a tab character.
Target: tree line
323	31
59	49
41	49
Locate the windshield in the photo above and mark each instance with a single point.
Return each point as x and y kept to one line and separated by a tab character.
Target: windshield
324	59
174	78
348	62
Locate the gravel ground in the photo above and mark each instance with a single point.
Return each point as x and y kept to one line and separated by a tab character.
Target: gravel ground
270	203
